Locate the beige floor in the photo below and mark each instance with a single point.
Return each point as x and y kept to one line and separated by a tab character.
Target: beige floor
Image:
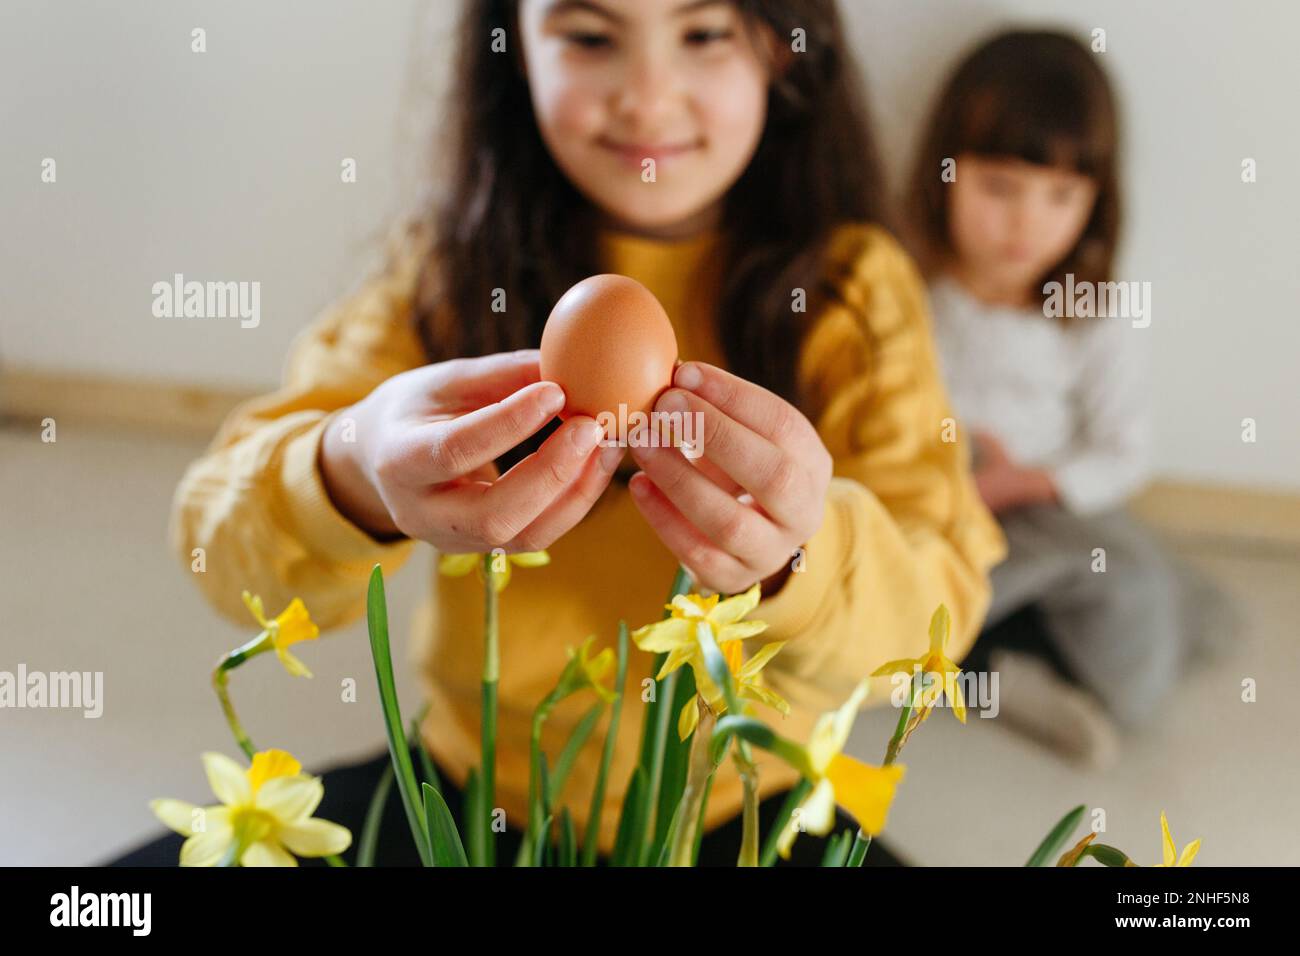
87	584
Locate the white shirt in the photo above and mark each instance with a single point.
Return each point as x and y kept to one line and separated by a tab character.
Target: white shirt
1072	400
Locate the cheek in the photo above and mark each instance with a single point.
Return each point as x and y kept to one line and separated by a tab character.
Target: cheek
975	220
736	103
1067	227
732	109
567	105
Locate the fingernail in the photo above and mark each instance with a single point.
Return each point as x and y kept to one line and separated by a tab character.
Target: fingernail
610	456
673	402
585	437
552	399
688	376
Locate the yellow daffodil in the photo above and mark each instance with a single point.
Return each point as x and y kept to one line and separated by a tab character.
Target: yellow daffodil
458	565
866	792
933	662
264	818
678	637
1171	855
290	626
585	671
748	679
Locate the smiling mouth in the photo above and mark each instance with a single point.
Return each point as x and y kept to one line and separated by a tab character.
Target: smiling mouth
635	153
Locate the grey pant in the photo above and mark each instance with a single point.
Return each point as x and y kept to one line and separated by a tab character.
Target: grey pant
1126	633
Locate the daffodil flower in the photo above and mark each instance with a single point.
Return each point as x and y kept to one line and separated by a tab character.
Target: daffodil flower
863	790
583	671
290	626
748	681
934	662
1171	855
264	817
459	565
678	637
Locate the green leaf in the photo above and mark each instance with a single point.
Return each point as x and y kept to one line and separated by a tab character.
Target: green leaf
662	756
760	735
699	825
568	855
800	790
444	840
837	849
427	769
570	752
629	840
374	818
661	858
543	843
676	762
1049	851
591	839
398	750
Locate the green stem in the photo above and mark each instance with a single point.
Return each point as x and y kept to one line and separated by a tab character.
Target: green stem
536	773
701	768
654	736
591	839
491	674
862	841
749	812
220	681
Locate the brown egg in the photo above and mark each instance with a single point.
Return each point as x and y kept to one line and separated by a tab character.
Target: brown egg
608	342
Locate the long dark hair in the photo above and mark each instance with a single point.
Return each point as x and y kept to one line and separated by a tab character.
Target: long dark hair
507	218
1039	96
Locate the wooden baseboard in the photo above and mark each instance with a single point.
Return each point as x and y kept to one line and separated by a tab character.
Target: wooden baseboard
1221	512
1178	507
28	394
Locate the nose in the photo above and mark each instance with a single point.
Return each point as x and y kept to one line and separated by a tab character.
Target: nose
646	93
1022	222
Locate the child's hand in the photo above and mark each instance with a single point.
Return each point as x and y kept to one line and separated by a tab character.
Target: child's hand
421	462
990	452
1003	484
758	492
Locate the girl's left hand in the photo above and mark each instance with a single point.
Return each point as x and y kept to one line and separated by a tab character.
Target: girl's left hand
737	514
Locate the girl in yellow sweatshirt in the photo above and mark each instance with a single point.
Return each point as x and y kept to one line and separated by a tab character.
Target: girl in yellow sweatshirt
719	154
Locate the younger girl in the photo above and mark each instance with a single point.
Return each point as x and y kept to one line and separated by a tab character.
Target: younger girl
805	344
1056	407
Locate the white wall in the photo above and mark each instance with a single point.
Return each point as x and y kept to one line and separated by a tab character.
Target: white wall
221	166
225	165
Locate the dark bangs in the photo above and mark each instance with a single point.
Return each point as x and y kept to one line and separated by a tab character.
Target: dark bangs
1039	108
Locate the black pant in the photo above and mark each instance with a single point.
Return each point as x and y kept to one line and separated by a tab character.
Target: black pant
1023	630
348	789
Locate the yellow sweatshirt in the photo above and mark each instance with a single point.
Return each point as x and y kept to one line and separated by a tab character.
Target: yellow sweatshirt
903	530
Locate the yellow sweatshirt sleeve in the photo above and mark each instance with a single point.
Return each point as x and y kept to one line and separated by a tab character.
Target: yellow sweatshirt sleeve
255	502
904	528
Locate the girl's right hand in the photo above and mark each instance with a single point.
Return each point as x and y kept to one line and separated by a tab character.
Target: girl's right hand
420	460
